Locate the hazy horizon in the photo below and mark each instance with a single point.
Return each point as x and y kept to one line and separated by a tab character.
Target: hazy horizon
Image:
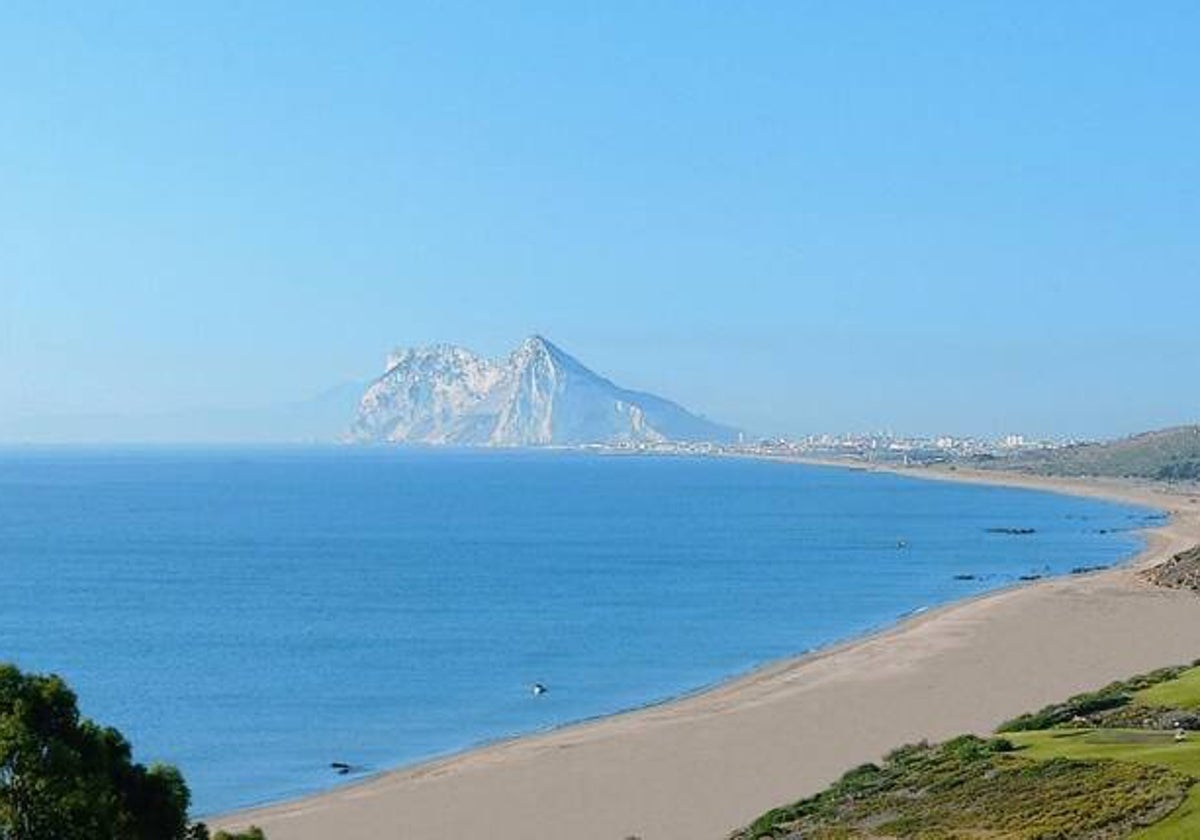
791	218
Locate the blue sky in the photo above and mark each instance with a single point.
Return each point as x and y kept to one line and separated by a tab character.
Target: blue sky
959	217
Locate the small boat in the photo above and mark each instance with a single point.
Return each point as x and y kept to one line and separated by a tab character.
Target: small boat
537	689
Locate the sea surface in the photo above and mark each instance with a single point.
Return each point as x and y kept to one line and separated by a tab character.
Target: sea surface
252	615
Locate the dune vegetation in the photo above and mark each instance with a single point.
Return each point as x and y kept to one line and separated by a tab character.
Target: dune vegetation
1118	762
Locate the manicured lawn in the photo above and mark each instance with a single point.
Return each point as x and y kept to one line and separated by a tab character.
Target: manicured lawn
1138	745
1183	692
1133	745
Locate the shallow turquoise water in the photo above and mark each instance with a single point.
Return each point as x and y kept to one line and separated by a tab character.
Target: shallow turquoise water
252	615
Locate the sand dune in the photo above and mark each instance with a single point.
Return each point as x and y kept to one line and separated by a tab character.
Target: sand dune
703	765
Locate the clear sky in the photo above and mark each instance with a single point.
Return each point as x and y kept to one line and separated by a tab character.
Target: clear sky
795	216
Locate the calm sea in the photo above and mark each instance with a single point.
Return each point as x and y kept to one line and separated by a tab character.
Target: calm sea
253	615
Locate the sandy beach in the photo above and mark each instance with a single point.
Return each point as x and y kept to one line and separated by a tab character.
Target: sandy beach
703	765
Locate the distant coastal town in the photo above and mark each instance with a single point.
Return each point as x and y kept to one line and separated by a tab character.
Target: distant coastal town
875	447
1171	455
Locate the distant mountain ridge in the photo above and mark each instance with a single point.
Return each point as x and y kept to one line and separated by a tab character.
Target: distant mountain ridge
539	396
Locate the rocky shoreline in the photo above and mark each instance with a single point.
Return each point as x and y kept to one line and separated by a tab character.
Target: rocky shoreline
1182	571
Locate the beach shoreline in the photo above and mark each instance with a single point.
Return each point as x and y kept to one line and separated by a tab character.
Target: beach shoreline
705	763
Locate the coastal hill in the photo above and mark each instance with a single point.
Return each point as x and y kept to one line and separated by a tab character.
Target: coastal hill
1165	455
538	396
1114	763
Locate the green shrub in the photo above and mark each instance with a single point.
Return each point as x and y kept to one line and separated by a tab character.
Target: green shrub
251	833
63	777
972	787
1112	696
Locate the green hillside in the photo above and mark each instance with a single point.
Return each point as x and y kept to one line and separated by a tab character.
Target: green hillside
1120	762
1165	455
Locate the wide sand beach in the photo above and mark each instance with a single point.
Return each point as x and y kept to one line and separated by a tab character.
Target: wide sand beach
705	764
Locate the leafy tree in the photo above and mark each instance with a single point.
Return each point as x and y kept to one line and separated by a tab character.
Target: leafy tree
63	777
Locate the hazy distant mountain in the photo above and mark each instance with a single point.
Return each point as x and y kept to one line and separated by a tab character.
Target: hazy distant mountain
1168	454
538	396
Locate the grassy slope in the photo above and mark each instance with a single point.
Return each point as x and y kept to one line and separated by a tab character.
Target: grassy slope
969	787
1060	775
1180	693
1104	700
1139	746
1136	746
1170	454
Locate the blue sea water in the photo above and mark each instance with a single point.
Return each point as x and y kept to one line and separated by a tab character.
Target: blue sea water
253	614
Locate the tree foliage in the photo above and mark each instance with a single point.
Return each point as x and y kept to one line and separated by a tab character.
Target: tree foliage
63	777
